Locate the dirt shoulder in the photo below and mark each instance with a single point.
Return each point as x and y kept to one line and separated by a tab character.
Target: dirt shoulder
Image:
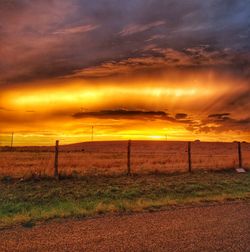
224	227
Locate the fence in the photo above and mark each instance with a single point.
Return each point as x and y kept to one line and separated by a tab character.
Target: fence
122	157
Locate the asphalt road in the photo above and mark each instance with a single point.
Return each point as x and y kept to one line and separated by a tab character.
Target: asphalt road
205	228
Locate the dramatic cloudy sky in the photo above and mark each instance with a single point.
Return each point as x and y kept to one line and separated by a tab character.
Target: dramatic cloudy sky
140	69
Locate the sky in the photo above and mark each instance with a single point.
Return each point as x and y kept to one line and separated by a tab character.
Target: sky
134	69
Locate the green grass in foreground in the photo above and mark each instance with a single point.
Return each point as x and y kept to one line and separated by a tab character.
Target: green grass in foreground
25	202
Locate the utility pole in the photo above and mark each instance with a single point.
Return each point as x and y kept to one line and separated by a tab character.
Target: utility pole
129	158
189	157
56	174
240	155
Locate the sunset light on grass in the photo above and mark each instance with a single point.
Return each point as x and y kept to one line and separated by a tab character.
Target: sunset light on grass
124	125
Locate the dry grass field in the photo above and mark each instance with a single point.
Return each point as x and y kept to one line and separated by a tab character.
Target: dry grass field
110	158
90	184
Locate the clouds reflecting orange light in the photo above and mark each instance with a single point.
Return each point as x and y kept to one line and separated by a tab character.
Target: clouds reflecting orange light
140	109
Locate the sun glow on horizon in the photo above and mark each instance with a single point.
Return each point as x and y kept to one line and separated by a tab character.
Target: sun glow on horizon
141	112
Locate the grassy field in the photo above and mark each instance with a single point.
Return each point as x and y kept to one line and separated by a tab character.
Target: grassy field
110	158
29	201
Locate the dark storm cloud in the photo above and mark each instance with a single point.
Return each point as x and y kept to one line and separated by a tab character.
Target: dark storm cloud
46	39
225	119
135	114
223	122
121	113
181	116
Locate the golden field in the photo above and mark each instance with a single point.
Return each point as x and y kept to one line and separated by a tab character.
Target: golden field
110	158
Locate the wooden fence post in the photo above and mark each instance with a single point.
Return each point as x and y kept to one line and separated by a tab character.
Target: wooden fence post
56	175
12	140
189	157
128	158
239	154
